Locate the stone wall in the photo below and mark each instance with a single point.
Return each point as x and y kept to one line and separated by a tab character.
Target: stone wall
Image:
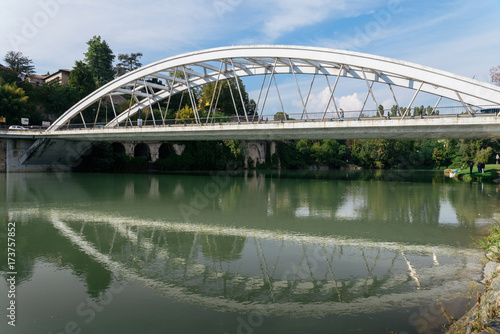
485	314
257	149
49	155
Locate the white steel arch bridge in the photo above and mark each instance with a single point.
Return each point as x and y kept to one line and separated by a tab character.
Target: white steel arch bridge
156	83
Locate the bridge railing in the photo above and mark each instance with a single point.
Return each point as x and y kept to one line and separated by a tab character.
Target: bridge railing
280	117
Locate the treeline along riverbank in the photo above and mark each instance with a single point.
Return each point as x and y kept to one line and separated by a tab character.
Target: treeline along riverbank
301	154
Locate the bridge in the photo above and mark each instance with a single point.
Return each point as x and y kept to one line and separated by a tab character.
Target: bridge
150	90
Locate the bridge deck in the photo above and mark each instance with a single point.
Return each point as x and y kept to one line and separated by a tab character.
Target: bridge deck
439	127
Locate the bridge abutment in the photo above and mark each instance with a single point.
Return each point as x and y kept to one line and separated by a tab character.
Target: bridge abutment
154	149
42	155
3	156
31	155
256	151
129	148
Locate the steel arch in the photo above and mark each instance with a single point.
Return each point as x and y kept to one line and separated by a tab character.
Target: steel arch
217	64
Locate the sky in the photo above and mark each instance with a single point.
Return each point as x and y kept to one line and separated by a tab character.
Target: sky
459	36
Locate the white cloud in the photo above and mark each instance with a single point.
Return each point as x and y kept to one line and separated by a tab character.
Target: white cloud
289	15
350	102
285	16
319	101
436	36
388	103
54	32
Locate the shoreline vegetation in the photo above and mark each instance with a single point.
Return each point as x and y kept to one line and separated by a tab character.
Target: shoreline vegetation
377	154
484	316
491	174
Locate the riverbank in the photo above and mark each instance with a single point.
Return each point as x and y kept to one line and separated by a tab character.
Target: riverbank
491	174
484	317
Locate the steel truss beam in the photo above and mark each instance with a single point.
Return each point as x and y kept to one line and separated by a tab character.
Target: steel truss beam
243	61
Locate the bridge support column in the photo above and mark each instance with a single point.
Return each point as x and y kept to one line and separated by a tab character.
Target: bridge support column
3	156
42	155
179	149
273	147
256	151
154	149
129	148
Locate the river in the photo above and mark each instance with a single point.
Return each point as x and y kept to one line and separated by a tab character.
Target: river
248	252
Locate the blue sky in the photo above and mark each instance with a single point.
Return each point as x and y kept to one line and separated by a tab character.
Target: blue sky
460	36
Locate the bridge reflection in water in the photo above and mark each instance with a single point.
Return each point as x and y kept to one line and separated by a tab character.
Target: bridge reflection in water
270	272
262	244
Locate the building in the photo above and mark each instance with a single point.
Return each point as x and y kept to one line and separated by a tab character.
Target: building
35	79
60	77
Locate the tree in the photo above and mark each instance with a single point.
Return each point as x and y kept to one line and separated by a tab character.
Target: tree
394	111
381	110
419	111
56	99
19	64
81	79
227	90
495	75
13	103
127	63
281	116
99	59
186	115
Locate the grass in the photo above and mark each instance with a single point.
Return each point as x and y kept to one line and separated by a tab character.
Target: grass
491	172
491	244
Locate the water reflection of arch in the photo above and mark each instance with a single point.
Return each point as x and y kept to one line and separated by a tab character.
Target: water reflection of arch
222	247
43	246
190	278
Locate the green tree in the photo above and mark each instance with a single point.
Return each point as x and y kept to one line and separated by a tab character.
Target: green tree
323	152
81	79
19	64
438	157
13	103
186	114
8	76
420	111
99	58
56	99
127	63
281	116
381	110
227	90
394	111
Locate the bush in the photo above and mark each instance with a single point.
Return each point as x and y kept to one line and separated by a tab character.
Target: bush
491	243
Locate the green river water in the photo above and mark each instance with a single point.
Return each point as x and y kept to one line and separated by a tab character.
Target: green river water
303	252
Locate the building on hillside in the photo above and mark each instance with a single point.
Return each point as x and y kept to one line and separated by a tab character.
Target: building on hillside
35	79
60	77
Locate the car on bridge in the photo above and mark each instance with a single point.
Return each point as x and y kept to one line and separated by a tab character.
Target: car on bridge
489	111
17	127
